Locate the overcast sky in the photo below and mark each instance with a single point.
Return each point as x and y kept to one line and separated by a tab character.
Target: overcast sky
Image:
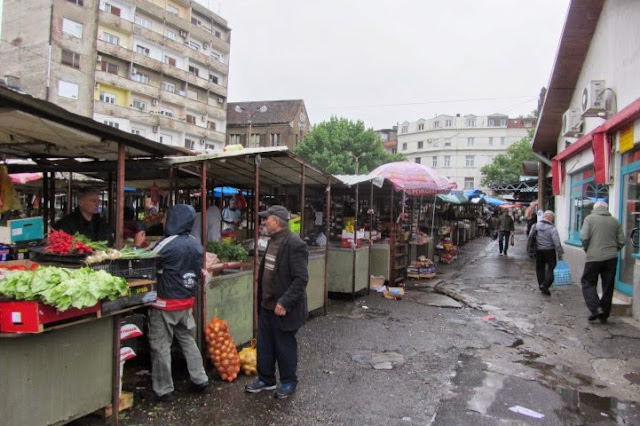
385	62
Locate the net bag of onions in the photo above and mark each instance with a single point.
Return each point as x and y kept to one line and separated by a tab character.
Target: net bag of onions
222	349
249	359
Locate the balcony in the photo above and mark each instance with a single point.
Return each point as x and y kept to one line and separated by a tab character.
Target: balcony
201	33
113	21
127	84
161	14
114	50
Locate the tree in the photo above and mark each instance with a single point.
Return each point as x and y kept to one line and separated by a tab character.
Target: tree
507	167
332	145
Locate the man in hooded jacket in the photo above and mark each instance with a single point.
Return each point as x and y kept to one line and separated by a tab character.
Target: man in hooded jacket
179	264
548	247
602	237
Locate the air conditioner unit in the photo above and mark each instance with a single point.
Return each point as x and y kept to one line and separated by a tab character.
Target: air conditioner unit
572	123
154	129
593	101
183	34
99	58
154	101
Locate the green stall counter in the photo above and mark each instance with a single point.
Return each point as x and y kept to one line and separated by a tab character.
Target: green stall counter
380	253
341	269
315	287
230	298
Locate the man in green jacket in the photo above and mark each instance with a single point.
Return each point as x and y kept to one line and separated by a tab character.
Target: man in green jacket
505	228
602	237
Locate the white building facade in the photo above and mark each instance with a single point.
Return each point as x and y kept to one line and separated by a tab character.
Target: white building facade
459	146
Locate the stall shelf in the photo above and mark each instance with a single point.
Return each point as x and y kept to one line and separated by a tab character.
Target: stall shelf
341	273
315	287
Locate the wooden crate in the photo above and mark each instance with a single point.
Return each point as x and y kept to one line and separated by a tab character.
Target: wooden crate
126	402
35	317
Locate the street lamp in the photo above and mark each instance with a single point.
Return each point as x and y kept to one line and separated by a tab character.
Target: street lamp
357	159
250	116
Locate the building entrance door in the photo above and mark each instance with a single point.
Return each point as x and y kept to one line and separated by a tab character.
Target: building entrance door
631	222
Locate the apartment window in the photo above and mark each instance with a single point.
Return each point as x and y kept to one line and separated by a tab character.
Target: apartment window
107	97
213	78
143	50
170	34
434	161
195	21
67	89
169	60
503	141
470	142
234	140
70	58
394	151
143	22
490	141
137	131
168	112
172	9
447	142
140	78
195	46
420	144
77	2
211	125
169	87
469	161
447	123
109	67
112	124
141	105
110	38
418	160
71	28
447	161
193	70
491	158
189	143
191	94
436	124
274	139
469	183
215	56
109	8
503	122
217	33
404	146
420	126
191	119
166	139
405	129
471	122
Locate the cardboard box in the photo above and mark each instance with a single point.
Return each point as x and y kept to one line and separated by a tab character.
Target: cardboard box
31	228
376	282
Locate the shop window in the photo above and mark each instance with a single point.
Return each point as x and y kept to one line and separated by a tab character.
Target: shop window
583	195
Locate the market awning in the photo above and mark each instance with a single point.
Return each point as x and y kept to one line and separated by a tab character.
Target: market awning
494	201
351	180
454	198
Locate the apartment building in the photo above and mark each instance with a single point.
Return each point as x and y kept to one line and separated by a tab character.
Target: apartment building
459	146
389	139
156	68
267	123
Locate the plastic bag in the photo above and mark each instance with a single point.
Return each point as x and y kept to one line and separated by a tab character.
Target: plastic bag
513	240
562	274
249	359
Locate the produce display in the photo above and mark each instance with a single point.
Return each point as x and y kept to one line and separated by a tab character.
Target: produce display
228	252
125	253
222	349
63	288
59	242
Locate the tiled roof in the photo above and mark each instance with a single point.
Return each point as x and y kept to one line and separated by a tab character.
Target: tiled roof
277	112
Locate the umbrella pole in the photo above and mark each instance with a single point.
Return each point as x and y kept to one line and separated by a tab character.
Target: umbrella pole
433	220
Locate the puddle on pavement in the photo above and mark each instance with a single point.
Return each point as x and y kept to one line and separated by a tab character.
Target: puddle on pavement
594	409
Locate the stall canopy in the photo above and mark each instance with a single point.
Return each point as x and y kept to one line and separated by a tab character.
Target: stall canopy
455	197
494	201
414	178
351	180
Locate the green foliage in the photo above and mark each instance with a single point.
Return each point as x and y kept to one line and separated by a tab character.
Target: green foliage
330	144
507	167
227	252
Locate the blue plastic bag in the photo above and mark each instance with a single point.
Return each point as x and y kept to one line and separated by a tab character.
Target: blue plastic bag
562	274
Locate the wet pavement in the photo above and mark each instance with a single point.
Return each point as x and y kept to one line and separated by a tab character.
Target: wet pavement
477	345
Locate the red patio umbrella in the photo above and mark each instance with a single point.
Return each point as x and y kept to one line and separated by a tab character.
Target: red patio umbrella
414	178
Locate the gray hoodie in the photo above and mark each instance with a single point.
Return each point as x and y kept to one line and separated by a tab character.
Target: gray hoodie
547	237
602	235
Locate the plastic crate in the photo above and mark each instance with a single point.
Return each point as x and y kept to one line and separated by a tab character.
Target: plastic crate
129	268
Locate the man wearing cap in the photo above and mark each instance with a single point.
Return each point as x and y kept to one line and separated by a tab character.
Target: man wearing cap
282	302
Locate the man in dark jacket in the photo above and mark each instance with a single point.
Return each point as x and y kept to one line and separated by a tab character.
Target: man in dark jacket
179	262
282	299
548	250
85	219
602	237
505	228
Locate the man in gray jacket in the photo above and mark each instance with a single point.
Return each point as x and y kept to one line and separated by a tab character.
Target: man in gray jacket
602	237
547	247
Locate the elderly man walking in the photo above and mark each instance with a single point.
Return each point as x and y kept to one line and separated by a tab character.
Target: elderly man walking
602	237
548	250
505	228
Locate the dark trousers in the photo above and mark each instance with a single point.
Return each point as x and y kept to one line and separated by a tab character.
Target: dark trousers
545	264
503	241
606	270
276	345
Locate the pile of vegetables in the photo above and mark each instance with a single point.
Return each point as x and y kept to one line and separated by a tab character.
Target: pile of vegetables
222	349
59	242
63	288
228	252
249	359
125	253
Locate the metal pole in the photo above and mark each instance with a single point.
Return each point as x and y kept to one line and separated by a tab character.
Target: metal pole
203	289
256	206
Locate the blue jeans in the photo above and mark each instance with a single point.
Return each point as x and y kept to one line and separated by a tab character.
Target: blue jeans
503	241
276	345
